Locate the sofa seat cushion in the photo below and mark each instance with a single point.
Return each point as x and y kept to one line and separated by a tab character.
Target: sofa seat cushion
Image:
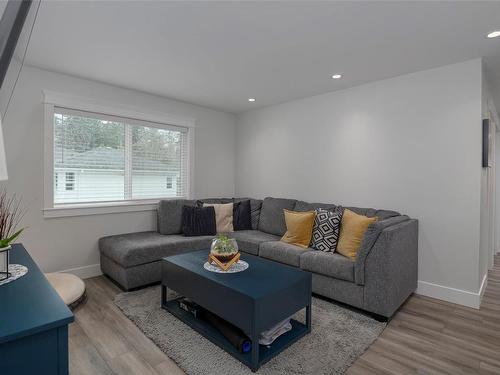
282	252
144	247
328	264
249	240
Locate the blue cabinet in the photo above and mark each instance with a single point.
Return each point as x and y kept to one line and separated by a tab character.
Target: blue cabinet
33	323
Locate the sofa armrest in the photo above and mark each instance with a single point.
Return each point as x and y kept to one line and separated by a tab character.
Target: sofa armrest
371	236
391	268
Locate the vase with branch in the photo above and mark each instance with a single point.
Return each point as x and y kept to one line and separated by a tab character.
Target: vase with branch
11	214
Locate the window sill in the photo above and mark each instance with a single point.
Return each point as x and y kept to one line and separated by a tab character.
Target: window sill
99	208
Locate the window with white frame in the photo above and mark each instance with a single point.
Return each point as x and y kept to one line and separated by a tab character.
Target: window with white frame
101	158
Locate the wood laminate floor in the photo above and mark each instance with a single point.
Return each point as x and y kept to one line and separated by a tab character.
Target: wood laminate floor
426	336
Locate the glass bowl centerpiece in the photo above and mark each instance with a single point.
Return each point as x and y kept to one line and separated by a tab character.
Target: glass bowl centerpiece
224	249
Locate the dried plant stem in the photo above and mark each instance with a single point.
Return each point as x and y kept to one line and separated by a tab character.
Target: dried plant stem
11	214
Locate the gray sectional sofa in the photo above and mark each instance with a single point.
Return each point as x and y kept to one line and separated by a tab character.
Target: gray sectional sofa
379	280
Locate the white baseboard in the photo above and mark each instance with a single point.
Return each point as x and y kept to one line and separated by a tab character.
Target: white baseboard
484	284
458	296
85	272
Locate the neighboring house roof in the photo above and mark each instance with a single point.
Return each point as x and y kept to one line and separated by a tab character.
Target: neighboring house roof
109	158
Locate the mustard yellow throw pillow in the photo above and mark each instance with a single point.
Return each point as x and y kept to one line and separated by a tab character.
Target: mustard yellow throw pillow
299	227
352	231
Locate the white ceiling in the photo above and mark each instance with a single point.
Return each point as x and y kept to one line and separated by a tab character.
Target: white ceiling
219	54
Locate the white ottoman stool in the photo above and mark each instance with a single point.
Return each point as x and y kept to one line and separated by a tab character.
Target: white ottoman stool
69	287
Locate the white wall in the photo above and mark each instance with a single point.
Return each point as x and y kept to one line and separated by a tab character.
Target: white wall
64	243
411	143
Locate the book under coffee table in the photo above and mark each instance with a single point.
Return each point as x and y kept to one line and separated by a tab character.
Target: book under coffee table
254	300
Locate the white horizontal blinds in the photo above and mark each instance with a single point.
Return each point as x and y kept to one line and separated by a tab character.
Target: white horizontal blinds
183	179
88	159
157	163
102	158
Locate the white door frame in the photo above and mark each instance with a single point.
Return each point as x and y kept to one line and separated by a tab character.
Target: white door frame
492	232
495	234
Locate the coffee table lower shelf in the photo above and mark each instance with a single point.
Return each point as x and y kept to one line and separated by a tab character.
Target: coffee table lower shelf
208	331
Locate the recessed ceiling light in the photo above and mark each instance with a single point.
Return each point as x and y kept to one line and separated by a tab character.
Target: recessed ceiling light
337	76
494	34
251	99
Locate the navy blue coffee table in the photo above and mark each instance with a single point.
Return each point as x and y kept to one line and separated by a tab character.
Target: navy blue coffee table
253	300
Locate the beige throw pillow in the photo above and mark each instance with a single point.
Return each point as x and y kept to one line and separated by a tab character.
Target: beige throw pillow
223	216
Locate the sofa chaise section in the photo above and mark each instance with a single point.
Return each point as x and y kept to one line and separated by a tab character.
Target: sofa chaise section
133	259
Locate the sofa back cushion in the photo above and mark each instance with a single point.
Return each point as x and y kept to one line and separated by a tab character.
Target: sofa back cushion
371	212
272	218
302	206
255	207
170	215
214	201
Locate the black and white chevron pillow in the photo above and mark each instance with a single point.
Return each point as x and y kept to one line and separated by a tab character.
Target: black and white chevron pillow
326	229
